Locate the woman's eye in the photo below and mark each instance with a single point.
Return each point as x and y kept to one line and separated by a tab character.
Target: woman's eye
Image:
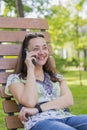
35	49
45	47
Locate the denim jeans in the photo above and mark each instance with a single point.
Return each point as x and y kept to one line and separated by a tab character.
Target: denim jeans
70	123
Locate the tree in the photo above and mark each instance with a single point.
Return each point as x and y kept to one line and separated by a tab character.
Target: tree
19	8
23	7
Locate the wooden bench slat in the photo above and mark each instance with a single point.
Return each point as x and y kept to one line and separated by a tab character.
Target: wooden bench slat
17	36
10	106
13	122
9	36
4	76
13	49
8	22
7	63
11	63
2	93
10	49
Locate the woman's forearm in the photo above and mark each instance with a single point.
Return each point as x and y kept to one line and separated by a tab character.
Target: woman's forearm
30	96
65	100
60	103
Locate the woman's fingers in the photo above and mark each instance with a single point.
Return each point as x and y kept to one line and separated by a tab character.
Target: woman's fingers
30	58
23	114
23	117
26	112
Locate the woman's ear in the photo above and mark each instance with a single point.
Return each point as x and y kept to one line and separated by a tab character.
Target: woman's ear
50	50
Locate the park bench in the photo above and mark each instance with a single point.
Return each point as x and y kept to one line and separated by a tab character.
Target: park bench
12	33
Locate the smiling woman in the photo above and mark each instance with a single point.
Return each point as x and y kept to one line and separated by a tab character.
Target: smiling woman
41	92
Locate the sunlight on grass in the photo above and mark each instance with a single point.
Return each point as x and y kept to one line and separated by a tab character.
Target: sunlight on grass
77	82
84	82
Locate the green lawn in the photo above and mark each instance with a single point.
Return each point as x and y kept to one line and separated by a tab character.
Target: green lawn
79	93
2	120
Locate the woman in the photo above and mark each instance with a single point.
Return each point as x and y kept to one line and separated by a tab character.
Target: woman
43	93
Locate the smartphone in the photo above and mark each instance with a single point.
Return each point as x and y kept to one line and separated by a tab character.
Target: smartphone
33	60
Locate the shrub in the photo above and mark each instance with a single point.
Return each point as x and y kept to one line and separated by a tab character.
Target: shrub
60	63
72	62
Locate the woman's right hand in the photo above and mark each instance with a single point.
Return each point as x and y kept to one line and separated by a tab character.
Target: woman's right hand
29	57
26	112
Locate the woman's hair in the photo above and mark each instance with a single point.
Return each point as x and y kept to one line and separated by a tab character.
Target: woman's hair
21	67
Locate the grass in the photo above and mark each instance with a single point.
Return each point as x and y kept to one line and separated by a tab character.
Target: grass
79	94
2	117
78	89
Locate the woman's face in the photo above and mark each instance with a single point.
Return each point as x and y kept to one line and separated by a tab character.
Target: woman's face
40	47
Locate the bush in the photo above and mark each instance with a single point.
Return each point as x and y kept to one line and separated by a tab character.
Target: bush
72	62
63	63
60	63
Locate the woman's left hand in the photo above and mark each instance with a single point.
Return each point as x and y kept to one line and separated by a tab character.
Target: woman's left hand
25	112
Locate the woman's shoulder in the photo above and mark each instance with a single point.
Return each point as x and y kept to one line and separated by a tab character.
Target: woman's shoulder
60	77
13	77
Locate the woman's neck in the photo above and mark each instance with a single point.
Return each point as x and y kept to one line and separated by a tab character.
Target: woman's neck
39	73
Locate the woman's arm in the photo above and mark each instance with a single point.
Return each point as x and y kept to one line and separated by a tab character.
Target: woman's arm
64	101
26	94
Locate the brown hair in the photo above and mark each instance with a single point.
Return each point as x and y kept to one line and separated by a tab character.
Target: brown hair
21	67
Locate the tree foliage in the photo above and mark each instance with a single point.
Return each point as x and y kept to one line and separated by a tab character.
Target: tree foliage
66	24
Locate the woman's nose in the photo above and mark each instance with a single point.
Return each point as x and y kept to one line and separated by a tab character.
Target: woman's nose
41	51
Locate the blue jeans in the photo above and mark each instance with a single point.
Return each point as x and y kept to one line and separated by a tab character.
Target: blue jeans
70	123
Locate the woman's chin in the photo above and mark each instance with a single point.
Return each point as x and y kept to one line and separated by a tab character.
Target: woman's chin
41	63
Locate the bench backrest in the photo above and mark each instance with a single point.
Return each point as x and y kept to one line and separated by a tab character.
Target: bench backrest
13	31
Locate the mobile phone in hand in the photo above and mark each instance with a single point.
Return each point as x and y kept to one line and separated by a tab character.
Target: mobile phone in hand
33	60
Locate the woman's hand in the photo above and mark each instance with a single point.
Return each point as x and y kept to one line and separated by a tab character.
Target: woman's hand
25	112
29	57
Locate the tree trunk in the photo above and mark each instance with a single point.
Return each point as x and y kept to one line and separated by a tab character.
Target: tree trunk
19	8
85	59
